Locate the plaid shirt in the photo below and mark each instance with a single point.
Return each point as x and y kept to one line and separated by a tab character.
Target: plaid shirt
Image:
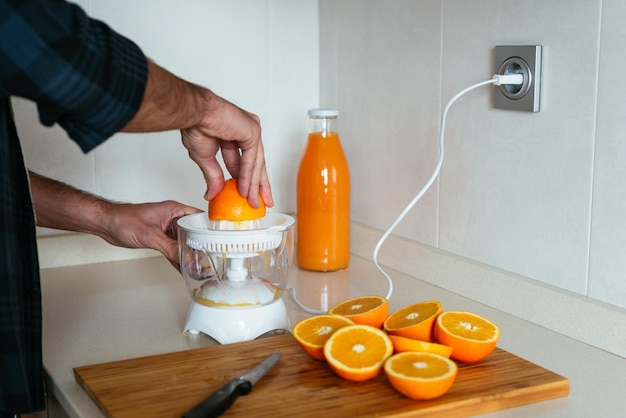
89	80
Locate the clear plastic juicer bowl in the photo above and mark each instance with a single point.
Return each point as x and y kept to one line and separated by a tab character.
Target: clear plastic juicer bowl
235	273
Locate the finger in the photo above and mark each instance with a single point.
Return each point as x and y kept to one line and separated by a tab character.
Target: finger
187	210
253	190
214	177
169	248
179	212
253	195
202	150
232	158
170	251
246	170
261	179
158	239
167	243
265	190
249	174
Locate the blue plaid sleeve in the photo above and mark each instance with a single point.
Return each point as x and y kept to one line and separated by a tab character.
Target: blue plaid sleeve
82	74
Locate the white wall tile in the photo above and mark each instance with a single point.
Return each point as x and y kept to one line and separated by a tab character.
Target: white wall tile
516	187
607	277
386	59
294	74
48	150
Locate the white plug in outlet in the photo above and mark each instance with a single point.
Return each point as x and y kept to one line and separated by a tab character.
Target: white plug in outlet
525	60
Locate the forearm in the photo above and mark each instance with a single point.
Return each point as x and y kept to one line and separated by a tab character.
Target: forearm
169	103
60	206
143	225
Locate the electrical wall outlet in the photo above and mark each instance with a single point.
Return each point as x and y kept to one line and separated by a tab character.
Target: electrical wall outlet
525	60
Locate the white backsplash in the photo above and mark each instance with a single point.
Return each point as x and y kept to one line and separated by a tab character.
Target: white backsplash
540	195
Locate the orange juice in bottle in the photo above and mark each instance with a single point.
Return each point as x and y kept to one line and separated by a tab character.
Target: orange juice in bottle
323	197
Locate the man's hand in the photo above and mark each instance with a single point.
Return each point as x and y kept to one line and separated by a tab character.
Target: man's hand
238	134
146	225
208	124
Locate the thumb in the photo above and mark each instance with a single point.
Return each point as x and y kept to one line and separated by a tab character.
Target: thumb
166	245
169	248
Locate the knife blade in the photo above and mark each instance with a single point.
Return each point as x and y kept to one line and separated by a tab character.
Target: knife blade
219	401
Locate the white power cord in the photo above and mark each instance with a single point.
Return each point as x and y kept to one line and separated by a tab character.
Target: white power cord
498	80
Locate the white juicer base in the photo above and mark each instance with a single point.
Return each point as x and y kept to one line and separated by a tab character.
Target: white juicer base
228	326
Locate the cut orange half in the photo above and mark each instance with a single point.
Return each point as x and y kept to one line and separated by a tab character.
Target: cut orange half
402	344
313	332
358	352
471	336
414	321
420	375
367	310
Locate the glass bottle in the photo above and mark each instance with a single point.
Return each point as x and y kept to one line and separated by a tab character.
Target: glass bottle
323	197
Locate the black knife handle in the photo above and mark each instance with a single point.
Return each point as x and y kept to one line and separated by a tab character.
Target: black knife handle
220	401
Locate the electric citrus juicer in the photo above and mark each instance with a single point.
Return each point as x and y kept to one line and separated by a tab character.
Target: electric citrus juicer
235	272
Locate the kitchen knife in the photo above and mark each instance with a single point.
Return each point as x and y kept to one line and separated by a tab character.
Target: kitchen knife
217	403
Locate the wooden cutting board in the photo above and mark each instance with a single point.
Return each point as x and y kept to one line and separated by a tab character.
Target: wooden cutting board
167	385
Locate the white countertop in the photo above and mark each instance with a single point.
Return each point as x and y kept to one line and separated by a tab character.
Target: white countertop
118	310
